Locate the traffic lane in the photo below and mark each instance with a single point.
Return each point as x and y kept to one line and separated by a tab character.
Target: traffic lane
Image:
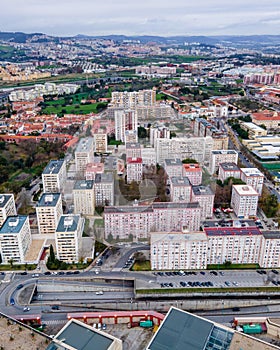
81	297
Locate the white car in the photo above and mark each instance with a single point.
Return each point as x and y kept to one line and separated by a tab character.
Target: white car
26	308
99	292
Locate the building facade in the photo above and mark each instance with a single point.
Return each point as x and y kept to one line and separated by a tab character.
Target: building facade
205	197
7	207
15	239
253	177
227	170
244	201
193	173
54	176
134	170
84	154
84	199
221	156
104	189
180	189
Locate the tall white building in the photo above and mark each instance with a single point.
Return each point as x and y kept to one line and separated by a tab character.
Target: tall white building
159	132
84	199
54	176
134	170
193	173
221	156
270	254
7	207
227	170
237	245
205	197
148	155
178	250
180	189
104	189
173	167
68	238
15	239
125	120
100	140
84	154
49	211
244	201
133	99
136	222
253	177
133	150
197	148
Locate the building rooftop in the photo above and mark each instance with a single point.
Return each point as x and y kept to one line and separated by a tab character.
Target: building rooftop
53	167
175	205
180	181
85	145
224	151
229	166
134	160
271	234
173	162
192	167
13	224
95	167
104	178
202	190
251	172
181	330
68	223
177	236
79	336
48	200
229	231
4	198
252	126
133	145
83	185
245	190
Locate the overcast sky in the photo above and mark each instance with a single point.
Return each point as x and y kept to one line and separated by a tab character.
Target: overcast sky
139	17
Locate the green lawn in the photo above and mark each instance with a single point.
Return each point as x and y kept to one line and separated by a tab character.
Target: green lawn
71	109
141	266
233	267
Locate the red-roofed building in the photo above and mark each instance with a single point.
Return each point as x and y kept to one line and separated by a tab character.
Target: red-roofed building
270	119
193	173
134	169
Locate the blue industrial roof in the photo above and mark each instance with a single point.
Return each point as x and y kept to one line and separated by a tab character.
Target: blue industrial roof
13	224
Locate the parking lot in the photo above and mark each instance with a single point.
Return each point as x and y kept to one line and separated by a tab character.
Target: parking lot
218	279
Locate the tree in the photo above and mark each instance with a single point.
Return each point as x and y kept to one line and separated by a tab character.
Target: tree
142	132
52	255
189	161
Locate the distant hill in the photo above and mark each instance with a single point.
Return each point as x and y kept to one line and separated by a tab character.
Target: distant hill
231	40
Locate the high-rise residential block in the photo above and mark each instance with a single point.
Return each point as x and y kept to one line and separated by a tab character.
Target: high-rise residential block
133	150
134	169
54	176
104	189
84	199
227	170
49	211
253	177
84	154
193	172
221	156
7	207
244	201
15	239
100	140
125	120
68	238
205	197
180	189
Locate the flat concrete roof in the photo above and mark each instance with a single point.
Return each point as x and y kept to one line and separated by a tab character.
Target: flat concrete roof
83	185
53	167
85	145
245	190
48	200
4	198
229	166
68	223
173	162
180	181
202	190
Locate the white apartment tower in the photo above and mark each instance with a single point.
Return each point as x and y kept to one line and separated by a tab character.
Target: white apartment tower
244	201
178	250
253	177
125	120
15	239
54	176
100	139
49	211
84	154
221	156
7	207
104	189
83	193
180	189
68	238
205	197
134	170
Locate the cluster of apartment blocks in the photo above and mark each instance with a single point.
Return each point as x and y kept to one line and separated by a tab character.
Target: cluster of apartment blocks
195	250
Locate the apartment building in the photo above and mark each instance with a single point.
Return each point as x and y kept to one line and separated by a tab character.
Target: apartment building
136	222
148	155
205	197
156	112
100	140
178	250
54	176
227	170
125	120
193	172
180	189
173	167
134	170
237	245
253	177
15	239
133	150
158	132
130	136
7	207
221	156
104	189
84	198
84	154
244	201
253	130
68	238
133	99
270	119
49	211
92	169
198	148
270	254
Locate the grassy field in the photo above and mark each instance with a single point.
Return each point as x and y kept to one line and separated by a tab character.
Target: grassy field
141	266
233	267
